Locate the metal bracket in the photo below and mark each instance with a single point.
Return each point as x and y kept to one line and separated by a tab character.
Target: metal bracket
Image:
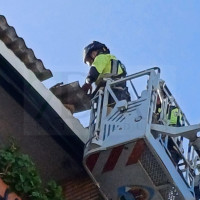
189	132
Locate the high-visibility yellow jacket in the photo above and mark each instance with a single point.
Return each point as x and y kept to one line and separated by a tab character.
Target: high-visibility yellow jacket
107	66
174	116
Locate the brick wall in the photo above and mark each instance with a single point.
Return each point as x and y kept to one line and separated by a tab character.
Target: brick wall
81	188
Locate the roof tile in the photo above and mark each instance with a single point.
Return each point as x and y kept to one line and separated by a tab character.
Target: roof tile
9	36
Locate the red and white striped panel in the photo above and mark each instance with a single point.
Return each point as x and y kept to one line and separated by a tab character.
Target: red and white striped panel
124	155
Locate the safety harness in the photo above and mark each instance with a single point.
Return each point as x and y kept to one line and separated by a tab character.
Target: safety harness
115	64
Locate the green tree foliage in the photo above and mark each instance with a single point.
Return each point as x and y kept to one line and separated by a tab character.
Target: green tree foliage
19	172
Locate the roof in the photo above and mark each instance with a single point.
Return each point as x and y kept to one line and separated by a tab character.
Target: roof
17	44
18	65
46	105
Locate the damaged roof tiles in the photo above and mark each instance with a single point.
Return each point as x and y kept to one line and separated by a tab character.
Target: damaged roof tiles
9	36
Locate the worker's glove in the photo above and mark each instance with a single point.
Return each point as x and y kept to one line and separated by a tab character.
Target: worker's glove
87	88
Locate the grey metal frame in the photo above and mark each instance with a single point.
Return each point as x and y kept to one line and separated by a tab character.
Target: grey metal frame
108	129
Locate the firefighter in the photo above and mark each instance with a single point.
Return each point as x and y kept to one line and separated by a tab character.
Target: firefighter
103	65
175	117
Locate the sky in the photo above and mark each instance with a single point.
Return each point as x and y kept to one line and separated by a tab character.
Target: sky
141	33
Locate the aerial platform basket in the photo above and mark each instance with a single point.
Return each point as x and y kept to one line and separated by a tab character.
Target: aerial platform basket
133	152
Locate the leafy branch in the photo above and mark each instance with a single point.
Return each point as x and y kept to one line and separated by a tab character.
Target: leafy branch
19	172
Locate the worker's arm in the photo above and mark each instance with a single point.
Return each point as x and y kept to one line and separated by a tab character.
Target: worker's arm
92	77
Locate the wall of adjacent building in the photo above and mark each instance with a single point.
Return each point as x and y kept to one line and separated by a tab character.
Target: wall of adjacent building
81	188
